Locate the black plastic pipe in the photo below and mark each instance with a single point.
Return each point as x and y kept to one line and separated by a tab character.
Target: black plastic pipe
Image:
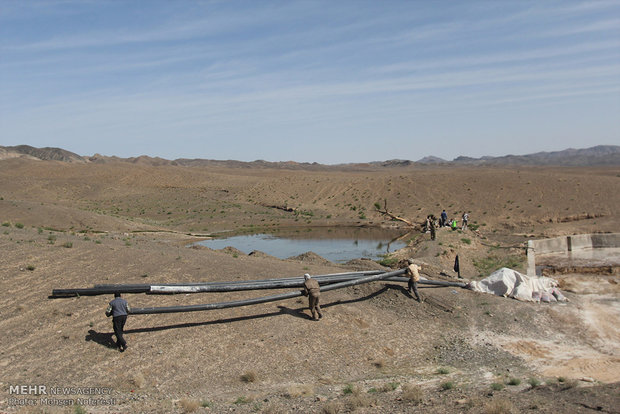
264	299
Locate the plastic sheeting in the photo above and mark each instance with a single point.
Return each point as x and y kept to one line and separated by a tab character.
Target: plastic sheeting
510	283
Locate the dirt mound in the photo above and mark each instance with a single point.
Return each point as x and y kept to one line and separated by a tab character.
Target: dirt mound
312	258
364	264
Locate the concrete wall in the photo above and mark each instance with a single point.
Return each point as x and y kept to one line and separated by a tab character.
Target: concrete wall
568	243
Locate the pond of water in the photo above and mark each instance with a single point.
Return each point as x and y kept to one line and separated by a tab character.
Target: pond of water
338	245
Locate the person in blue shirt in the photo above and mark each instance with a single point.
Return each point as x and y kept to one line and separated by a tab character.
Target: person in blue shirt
118	310
444	219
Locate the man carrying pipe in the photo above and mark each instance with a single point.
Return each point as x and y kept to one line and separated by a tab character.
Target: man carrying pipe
312	290
118	310
414	277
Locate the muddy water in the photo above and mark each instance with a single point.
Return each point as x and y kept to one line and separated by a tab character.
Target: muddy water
338	245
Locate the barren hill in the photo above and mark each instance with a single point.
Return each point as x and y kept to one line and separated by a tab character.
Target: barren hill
79	224
45	154
602	155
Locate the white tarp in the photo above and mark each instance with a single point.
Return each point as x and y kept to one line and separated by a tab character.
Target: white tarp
512	284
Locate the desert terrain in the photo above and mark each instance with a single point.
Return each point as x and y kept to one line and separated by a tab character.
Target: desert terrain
70	224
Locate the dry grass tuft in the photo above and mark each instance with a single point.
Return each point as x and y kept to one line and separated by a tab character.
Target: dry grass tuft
138	380
413	393
499	406
358	400
389	387
250	376
300	390
331	407
272	409
189	406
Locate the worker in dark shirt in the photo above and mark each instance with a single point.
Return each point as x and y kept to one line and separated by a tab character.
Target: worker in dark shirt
312	290
118	310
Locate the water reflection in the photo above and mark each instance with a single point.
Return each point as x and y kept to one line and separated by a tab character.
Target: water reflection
335	244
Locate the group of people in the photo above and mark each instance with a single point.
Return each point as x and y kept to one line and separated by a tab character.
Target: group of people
118	308
431	222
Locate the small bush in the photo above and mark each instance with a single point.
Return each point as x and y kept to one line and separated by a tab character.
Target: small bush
332	407
533	382
30	267
189	406
6	224
443	371
390	386
388	261
241	400
514	381
249	376
68	245
78	409
372	390
413	393
448	385
300	390
358	401
206	404
496	386
498	406
348	389
19	225
466	240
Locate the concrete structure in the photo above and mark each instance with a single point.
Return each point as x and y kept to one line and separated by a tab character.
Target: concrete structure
567	244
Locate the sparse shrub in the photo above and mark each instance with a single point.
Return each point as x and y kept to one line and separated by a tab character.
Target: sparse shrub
138	380
300	390
388	261
498	406
241	400
78	409
331	407
19	225
30	267
390	386
189	406
51	239
372	390
6	224
206	404
533	382
466	240
514	381
448	385
443	371
413	393
496	386
356	401
68	245
249	376
348	389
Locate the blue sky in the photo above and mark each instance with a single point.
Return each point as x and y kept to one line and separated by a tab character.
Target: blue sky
314	81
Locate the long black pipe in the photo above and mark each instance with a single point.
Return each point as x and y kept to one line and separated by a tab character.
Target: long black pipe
264	299
318	277
206	286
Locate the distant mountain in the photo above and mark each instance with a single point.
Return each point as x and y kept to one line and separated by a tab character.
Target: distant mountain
601	155
594	156
431	159
45	154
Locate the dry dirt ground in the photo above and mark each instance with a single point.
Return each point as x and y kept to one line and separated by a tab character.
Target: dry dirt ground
376	350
